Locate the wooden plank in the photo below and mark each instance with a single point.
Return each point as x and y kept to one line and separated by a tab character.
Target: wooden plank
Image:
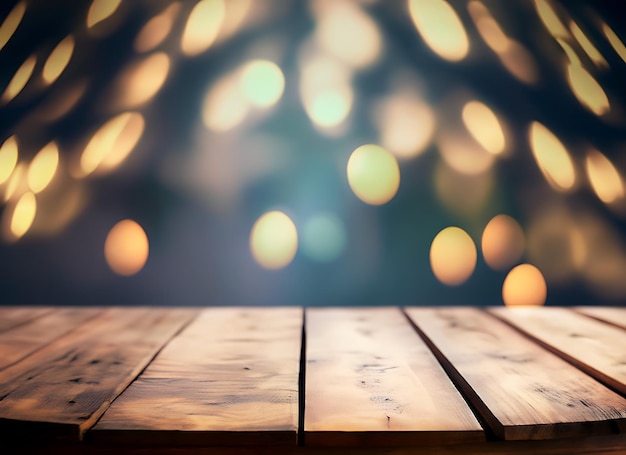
521	390
21	341
370	380
231	378
595	347
612	315
62	389
12	316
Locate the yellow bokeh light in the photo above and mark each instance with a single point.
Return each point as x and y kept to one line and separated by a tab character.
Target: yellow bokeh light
616	42
224	105
58	60
23	215
43	167
331	107
143	79
571	54
489	29
452	256
502	242
10	24
274	240
101	10
520	63
262	82
20	79
587	90
440	27
15	183
326	91
156	29
373	174
483	124
202	27
552	158
407	125
8	158
524	286
604	178
348	33
513	56
550	19
126	248
236	13
464	156
587	45
112	143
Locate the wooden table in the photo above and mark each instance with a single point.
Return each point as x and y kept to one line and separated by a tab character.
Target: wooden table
322	380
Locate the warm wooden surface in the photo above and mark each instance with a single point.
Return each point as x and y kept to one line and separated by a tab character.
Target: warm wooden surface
371	380
612	315
18	342
595	347
368	381
231	378
16	316
64	388
522	390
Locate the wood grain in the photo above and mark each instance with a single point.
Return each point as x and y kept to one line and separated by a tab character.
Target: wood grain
370	380
595	347
24	339
231	378
12	316
612	315
62	389
522	390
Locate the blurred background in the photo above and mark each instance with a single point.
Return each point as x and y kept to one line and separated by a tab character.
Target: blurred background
319	152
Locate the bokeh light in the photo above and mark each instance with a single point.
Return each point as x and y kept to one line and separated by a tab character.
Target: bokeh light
11	22
274	240
550	19
23	215
484	126
101	10
592	51
326	92
552	157
502	242
43	167
373	174
112	143
20	79
202	27
8	158
198	117
587	90
604	178
262	82
16	183
156	30
406	123
224	105
524	286
58	60
143	79
345	31
440	27
126	248
616	42
452	256
323	237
